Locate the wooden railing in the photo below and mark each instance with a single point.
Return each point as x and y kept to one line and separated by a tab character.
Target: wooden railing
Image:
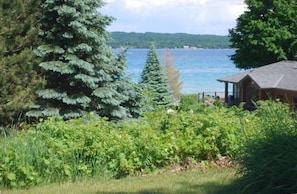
214	95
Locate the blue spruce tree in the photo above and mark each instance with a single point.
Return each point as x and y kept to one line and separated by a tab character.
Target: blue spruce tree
155	80
82	72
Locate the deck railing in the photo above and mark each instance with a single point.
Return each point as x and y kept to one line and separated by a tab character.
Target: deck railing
214	95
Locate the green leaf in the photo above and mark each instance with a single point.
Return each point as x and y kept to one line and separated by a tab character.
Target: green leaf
11	176
264	33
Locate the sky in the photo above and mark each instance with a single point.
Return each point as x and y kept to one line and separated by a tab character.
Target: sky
173	16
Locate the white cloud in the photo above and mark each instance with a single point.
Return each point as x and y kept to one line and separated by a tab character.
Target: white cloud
189	16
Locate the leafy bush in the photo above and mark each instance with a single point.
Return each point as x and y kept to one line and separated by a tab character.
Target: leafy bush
188	101
269	157
57	150
54	151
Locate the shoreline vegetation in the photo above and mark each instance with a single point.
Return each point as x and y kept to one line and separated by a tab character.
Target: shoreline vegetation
168	40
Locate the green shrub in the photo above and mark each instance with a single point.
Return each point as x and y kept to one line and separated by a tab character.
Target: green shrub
187	101
204	132
57	150
269	157
54	151
270	165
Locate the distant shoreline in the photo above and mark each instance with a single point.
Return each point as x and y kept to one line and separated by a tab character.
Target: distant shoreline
167	40
175	48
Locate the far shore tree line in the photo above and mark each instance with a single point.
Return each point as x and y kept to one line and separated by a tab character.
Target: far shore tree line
55	59
168	40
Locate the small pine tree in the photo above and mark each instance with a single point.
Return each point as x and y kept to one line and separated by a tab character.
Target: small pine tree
82	72
154	78
128	91
131	90
173	75
19	73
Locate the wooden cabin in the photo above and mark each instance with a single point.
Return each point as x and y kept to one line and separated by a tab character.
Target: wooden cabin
274	81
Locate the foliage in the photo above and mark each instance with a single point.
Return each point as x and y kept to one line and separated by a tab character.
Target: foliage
154	79
128	93
82	72
265	33
173	75
20	75
188	101
178	40
269	157
55	150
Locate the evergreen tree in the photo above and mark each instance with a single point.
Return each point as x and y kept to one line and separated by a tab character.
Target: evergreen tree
19	72
131	91
82	72
173	75
154	78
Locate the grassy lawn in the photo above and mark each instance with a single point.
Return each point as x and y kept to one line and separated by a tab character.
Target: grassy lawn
193	181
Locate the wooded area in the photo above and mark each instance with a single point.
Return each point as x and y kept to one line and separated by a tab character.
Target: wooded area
167	40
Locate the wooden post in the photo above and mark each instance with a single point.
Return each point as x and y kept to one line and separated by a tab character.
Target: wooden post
226	92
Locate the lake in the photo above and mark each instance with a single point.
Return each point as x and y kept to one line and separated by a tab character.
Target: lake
199	68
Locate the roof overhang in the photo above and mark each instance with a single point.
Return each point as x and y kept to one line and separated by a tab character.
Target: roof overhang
236	78
281	75
239	79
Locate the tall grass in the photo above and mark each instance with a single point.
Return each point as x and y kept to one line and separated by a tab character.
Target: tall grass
51	152
269	158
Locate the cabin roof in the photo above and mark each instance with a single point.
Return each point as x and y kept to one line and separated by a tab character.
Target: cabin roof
280	75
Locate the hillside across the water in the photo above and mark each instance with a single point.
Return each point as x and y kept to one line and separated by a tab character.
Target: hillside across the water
166	40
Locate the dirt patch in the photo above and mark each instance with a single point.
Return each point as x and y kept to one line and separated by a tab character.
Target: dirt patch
222	162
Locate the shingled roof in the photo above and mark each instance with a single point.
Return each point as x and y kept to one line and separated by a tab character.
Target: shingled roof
280	75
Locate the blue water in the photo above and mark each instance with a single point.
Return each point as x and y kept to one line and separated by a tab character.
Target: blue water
199	68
